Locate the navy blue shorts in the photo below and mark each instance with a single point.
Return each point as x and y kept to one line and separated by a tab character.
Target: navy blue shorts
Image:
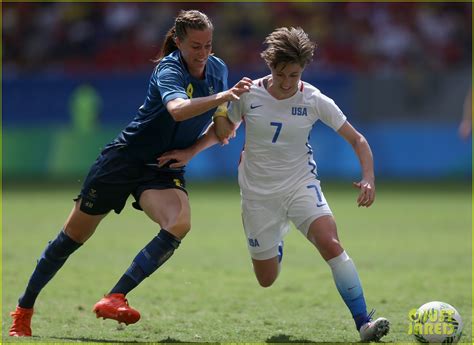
116	174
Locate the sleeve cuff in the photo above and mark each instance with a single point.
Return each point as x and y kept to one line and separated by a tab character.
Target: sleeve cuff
169	97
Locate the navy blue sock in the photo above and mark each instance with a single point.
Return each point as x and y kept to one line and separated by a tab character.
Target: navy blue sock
361	319
51	260
150	258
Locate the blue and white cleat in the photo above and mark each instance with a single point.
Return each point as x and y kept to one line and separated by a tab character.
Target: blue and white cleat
374	330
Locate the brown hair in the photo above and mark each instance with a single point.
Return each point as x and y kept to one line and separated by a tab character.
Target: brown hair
288	45
191	19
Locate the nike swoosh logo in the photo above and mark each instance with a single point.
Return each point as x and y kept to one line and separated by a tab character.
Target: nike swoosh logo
255	106
320	205
352	287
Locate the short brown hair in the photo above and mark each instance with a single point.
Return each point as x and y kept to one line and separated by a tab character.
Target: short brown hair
191	19
288	45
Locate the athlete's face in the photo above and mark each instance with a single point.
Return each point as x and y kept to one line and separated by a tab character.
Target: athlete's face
285	79
195	49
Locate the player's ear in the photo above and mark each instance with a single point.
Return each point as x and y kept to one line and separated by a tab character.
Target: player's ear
177	42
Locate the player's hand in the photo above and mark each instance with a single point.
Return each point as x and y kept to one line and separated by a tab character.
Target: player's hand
366	192
224	129
179	157
465	128
238	89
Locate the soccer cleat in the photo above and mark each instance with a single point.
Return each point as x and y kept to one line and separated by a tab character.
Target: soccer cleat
21	326
115	306
280	251
374	330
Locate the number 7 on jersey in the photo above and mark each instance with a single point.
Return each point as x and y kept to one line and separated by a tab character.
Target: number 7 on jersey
277	132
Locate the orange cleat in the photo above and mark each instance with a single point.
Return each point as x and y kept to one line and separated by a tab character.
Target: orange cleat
115	306
21	326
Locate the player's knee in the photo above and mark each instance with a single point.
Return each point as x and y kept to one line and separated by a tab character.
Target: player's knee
266	283
180	228
76	236
326	243
266	280
330	243
80	226
334	246
177	223
79	233
331	249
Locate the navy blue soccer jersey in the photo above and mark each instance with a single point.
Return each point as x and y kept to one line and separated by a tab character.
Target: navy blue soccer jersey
153	131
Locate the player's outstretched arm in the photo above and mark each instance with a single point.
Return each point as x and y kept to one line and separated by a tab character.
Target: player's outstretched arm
182	157
364	153
182	109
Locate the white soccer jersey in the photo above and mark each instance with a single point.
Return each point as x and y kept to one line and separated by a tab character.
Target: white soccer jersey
277	156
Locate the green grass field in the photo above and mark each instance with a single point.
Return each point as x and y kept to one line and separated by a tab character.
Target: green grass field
411	247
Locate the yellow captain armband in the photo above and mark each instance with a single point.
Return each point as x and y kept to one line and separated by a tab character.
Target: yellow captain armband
220	111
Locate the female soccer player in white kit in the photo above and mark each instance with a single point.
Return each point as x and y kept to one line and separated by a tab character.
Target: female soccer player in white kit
277	173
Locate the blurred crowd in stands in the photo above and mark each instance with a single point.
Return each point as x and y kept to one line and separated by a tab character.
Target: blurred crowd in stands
124	37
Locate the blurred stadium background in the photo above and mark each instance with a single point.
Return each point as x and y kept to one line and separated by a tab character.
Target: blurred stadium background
75	73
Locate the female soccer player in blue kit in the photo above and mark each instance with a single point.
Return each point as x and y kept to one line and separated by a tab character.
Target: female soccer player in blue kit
186	87
277	173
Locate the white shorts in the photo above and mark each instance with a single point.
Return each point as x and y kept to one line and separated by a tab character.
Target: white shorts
266	222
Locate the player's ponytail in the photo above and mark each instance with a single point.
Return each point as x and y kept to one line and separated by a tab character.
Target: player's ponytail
191	19
168	45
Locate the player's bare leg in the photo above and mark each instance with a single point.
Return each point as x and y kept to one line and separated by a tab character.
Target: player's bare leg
80	226
322	234
170	209
266	271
